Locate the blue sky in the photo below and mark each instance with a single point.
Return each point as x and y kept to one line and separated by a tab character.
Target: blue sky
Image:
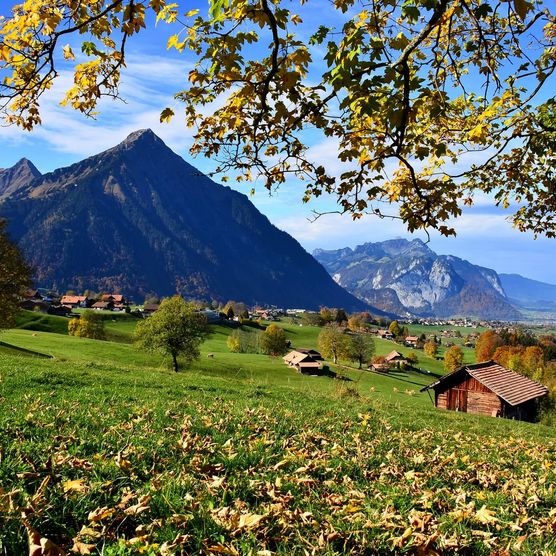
154	74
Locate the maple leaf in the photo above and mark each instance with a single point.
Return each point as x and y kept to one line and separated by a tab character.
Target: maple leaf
485	516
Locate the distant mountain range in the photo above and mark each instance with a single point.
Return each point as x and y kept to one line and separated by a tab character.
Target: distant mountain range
407	277
529	294
139	219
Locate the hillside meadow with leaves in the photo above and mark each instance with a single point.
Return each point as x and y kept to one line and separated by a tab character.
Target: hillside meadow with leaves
104	450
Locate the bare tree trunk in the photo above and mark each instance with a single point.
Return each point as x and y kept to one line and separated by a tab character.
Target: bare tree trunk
174	362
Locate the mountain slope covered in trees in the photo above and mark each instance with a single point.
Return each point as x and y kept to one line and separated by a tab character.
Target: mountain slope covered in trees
139	219
408	277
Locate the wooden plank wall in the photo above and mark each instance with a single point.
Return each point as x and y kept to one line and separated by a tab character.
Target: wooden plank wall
480	399
484	403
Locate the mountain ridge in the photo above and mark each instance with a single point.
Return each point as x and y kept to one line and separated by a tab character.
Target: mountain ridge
140	219
409	278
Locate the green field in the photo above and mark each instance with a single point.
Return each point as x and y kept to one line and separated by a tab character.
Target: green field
103	450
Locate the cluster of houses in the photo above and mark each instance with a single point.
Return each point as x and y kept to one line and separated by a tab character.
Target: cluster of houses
107	302
63	305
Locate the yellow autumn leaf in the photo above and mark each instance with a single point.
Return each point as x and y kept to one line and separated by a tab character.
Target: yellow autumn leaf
166	115
485	516
99	514
77	485
478	134
250	521
68	52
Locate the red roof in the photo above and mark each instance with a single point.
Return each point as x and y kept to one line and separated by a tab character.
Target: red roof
512	387
112	296
73	299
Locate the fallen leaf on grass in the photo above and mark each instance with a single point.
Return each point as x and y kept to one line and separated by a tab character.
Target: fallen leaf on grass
485	516
141	506
250	521
41	546
221	549
82	548
77	485
100	513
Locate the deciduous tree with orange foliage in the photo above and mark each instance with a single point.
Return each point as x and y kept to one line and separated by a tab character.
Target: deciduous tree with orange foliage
486	345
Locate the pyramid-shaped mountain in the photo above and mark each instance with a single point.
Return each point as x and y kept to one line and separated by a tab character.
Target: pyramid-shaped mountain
139	219
18	176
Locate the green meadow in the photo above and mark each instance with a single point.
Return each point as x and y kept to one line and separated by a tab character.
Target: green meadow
104	450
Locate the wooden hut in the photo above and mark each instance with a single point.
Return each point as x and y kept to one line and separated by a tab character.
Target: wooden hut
488	389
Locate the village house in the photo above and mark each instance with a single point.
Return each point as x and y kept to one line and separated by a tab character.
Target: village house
304	362
31	295
488	389
411	341
380	367
103	306
312	352
75	301
385	334
117	300
395	358
35	305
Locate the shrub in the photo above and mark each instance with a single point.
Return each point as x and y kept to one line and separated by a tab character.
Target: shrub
89	325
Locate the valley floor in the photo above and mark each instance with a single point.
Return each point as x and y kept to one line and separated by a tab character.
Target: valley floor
105	451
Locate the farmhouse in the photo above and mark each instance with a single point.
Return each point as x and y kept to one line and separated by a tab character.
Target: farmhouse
395	358
74	301
411	341
385	334
150	308
113	297
312	352
303	362
488	389
103	306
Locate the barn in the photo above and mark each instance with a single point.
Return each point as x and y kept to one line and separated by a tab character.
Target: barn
488	389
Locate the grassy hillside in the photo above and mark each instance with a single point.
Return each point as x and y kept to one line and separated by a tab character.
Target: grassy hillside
39	322
105	451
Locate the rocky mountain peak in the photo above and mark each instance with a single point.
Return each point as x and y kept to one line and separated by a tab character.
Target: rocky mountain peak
21	174
407	276
141	137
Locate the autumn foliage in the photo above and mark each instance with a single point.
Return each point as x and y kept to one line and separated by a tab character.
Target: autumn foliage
402	91
486	345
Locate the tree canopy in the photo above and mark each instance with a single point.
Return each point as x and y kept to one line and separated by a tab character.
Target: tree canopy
429	103
175	329
453	358
361	348
14	276
333	342
273	340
